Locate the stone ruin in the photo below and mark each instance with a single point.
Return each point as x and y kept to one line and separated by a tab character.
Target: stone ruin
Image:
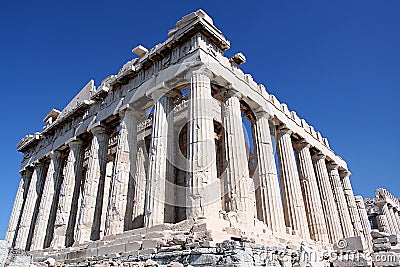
154	168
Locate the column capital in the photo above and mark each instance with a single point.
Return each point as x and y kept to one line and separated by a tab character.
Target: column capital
230	92
332	166
318	156
98	129
283	129
200	71
345	173
261	112
300	144
75	142
54	154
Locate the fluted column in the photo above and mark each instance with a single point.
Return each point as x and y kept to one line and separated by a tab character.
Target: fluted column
18	207
45	220
69	195
119	215
163	120
327	199
312	198
203	185
383	223
340	200
238	186
366	227
351	203
395	221
29	214
269	204
396	215
388	211
88	227
293	203
385	211
139	195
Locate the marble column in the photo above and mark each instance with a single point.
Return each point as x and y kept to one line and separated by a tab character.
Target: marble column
163	121
293	203
366	226
119	218
327	199
45	220
88	226
139	195
312	198
203	185
18	207
69	195
29	214
383	224
397	217
266	181
394	220
238	186
340	200
351	203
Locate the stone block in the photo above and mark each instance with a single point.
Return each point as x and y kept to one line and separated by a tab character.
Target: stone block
133	246
147	244
106	250
148	251
381	247
350	244
381	240
170	248
377	234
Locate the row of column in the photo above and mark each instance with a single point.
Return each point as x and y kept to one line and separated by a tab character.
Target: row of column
389	219
309	187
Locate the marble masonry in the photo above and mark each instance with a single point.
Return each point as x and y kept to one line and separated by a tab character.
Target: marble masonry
154	167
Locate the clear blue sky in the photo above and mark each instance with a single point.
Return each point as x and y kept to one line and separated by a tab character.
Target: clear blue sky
337	63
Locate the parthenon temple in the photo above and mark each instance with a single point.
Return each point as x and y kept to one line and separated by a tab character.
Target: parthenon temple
181	151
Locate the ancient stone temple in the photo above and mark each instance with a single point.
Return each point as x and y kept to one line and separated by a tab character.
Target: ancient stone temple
171	162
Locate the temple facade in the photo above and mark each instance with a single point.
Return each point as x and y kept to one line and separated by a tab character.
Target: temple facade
181	150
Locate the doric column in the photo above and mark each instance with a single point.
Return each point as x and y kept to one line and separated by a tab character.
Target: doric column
312	198
119	215
88	227
366	226
139	195
269	205
327	199
394	219
203	185
293	203
351	203
69	196
396	215
29	214
340	200
238	186
45	220
18	207
163	121
383	224
386	213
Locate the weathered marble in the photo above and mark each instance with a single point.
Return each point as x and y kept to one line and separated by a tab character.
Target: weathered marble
69	196
88	226
203	185
118	219
327	199
312	198
18	207
158	161
341	204
270	209
29	213
238	186
293	203
44	227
